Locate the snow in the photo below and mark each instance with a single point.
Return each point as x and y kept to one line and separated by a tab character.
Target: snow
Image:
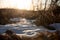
56	26
24	27
28	30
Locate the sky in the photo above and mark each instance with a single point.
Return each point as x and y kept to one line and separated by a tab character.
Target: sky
15	4
20	4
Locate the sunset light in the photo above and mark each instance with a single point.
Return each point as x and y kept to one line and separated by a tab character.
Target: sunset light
23	4
19	4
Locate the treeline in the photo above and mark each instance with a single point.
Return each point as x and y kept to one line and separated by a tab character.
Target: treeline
6	14
42	17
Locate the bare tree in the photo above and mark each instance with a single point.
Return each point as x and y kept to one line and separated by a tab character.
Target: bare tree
45	4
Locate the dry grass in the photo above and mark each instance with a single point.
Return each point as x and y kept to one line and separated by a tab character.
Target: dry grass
39	36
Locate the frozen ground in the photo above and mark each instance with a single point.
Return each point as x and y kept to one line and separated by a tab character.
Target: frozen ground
25	27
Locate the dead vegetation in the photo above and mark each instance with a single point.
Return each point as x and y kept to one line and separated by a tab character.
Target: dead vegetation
40	36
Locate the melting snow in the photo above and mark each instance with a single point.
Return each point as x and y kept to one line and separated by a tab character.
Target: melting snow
23	27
